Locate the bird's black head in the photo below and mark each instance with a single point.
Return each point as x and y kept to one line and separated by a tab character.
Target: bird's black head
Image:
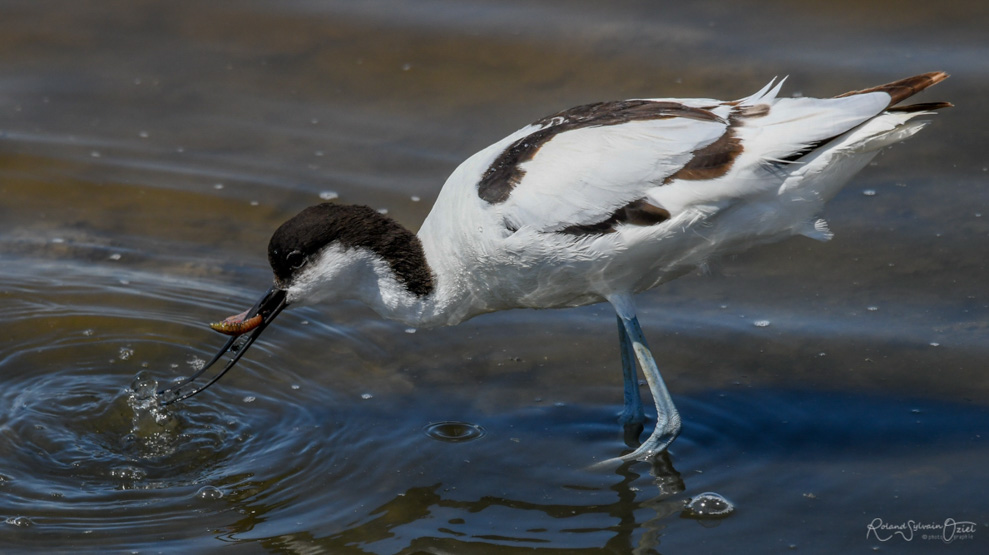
299	241
295	246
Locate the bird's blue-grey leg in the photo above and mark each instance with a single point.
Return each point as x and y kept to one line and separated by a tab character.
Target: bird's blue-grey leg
667	418
632	415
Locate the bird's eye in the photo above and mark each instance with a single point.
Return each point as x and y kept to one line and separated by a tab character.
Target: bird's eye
296	260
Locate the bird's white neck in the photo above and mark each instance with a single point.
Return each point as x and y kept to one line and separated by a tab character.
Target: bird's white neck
362	274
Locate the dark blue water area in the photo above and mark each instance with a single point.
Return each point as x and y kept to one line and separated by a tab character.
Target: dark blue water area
811	470
804	470
320	439
837	460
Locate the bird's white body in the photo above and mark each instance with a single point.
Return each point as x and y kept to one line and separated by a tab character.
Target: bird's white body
487	257
596	203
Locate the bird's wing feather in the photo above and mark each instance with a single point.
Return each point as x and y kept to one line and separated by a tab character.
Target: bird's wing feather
609	162
581	176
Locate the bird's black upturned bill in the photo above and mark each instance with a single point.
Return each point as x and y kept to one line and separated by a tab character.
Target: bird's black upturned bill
268	307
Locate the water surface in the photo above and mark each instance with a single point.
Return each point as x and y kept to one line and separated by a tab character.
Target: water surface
148	150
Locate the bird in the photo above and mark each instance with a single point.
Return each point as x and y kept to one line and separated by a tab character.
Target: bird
592	204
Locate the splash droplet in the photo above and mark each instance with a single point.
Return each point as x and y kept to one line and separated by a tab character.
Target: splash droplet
21	521
128	473
209	493
143	386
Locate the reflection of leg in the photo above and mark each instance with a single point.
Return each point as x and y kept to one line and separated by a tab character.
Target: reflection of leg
667	418
634	499
632	415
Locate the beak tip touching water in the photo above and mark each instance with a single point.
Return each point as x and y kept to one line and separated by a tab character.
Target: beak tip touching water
250	323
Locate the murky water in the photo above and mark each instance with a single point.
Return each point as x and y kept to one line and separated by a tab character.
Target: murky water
148	150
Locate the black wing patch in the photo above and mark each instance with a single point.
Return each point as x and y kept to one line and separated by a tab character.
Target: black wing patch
638	212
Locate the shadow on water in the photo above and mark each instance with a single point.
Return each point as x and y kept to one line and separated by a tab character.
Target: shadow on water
624	535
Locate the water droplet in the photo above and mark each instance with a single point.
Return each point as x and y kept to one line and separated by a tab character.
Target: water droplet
250	399
95	154
116	256
410	330
143	134
21	521
125	353
144	386
935	344
872	308
869	192
366	396
415	198
453	431
761	323
329	195
218	186
128	473
209	493
708	505
382	211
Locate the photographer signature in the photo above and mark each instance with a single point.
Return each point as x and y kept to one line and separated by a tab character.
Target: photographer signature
948	531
